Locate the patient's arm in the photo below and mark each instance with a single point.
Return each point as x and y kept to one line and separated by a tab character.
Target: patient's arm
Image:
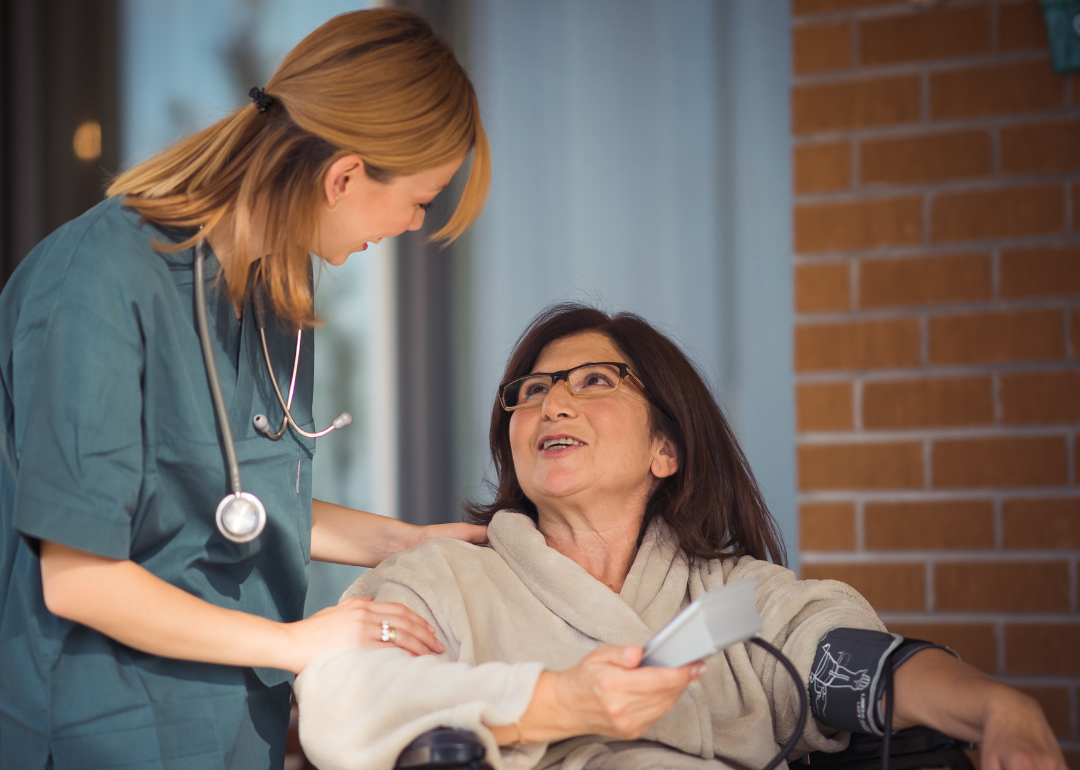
604	694
936	690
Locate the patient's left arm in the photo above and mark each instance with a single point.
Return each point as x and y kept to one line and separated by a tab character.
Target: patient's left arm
935	689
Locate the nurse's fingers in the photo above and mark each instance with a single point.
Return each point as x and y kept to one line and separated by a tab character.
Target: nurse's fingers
413	633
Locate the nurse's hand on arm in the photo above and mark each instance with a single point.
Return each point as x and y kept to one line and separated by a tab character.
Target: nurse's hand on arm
605	694
346	536
936	690
124	601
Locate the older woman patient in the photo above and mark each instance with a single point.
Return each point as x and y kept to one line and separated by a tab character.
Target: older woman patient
622	496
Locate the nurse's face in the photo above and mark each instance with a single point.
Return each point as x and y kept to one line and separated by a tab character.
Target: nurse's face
366	211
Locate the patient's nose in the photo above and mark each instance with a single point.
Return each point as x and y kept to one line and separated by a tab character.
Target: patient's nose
559	402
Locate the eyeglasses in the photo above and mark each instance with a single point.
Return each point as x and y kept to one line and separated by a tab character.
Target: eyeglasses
600	379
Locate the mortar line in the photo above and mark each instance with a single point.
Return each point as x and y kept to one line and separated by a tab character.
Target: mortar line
999	522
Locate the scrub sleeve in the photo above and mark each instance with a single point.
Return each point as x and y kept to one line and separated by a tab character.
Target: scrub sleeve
111	446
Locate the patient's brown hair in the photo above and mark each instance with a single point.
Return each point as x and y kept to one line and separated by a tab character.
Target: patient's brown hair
712	503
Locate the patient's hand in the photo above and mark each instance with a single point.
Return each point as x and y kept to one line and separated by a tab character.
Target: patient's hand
935	689
604	694
358	623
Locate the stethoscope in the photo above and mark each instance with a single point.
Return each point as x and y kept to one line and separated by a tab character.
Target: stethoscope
241	516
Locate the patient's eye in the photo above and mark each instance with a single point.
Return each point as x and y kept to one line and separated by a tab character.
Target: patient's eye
595	378
534	389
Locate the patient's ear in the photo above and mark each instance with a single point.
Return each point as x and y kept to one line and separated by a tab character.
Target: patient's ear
665	462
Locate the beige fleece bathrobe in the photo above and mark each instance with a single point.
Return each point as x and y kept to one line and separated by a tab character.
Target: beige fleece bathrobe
509	611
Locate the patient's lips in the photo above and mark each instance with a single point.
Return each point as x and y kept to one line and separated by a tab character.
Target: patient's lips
558	444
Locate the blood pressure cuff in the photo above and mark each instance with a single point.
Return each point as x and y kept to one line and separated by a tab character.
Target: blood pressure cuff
847	680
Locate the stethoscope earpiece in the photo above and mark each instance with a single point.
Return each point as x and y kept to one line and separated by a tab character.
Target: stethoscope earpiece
262	424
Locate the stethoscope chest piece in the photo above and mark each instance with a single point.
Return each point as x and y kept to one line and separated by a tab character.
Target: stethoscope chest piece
241	517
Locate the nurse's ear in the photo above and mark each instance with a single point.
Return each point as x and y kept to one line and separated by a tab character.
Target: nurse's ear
341	178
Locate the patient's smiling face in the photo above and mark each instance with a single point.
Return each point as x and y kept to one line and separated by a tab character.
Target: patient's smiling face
612	462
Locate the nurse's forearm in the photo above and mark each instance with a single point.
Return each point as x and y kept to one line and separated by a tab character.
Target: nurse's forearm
126	602
347	536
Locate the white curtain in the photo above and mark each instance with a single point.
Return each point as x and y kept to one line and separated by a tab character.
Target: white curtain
641	162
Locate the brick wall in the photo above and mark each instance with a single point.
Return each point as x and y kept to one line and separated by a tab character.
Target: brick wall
937	338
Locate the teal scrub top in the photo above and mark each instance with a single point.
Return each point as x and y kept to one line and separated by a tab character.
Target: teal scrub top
111	446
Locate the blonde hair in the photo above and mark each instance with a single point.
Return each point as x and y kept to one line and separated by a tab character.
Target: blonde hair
377	83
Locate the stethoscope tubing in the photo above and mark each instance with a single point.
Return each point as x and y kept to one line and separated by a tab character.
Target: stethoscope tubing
212	373
286	407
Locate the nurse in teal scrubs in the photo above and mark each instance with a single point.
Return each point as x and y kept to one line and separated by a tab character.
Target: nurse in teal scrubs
133	632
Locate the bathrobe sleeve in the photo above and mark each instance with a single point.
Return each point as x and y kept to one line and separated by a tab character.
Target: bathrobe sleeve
796	614
359	708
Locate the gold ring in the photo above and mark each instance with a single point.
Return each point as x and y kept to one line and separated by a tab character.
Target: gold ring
389	633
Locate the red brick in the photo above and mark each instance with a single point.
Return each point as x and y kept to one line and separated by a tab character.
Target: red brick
1042	649
975	643
1018	335
1002	586
1021	25
822	167
827	527
1040	272
929	525
1054	701
888	587
923	36
856	104
857	345
1040	397
995	90
1047	523
821	47
860	466
1027	461
824	406
858	224
924	280
929	158
821	6
822	288
937	402
1041	147
1002	213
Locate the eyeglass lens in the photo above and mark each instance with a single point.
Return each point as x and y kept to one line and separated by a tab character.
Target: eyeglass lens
586	380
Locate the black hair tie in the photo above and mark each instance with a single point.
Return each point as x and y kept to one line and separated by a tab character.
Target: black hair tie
263	101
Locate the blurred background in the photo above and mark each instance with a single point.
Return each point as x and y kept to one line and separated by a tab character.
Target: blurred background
861	218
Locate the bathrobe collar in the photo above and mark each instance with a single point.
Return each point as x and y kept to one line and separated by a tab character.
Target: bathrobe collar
657	581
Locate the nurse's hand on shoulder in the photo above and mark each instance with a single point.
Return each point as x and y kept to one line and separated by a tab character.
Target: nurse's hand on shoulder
470	533
358	623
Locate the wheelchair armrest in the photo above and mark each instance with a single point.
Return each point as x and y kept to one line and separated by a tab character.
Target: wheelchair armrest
912	749
444	748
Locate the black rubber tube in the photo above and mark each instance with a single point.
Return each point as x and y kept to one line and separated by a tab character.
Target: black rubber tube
886	737
804	703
